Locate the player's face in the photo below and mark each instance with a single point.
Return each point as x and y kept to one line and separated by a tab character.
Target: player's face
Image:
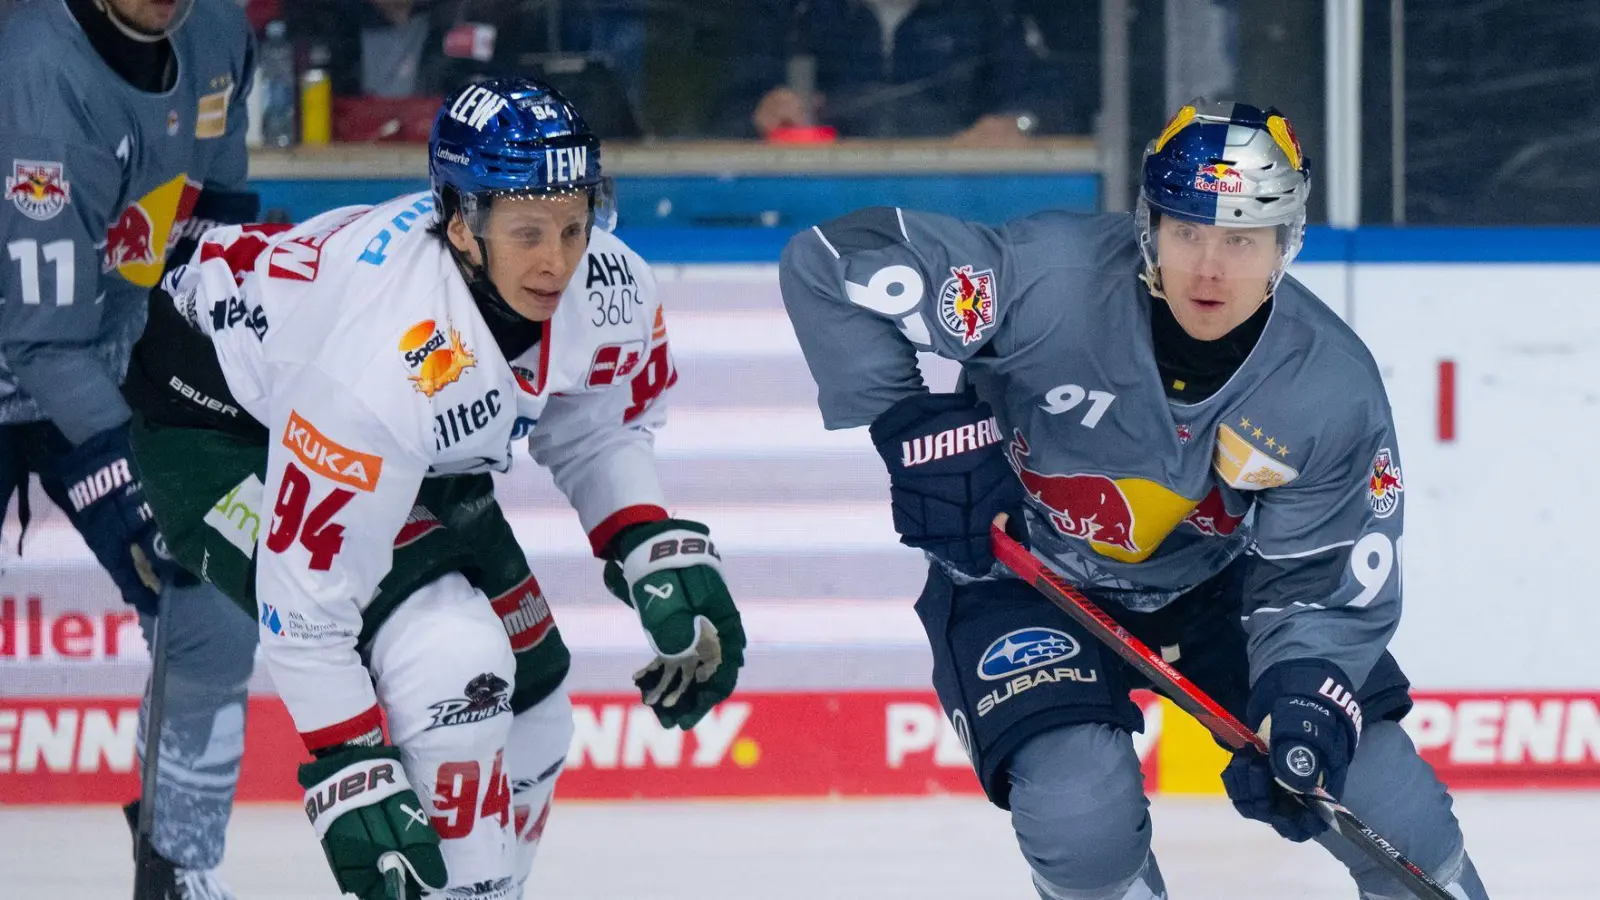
152	16
535	244
1214	277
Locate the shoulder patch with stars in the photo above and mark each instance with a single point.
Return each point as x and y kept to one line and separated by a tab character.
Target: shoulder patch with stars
1249	459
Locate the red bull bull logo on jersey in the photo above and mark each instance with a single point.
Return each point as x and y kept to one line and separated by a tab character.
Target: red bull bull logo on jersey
38	189
1125	519
1385	484
137	242
1212	518
966	303
1219	178
130	240
1086	506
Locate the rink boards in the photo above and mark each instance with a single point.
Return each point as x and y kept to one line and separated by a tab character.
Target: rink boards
835	699
792	744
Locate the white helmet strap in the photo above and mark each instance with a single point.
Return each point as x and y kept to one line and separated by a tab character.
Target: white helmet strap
145	37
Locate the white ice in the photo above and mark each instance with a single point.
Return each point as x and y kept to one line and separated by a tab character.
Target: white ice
1528	846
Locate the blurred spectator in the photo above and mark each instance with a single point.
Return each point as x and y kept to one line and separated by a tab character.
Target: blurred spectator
592	50
388	48
972	69
259	12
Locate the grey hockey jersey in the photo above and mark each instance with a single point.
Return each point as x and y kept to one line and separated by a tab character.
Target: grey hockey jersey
98	179
1131	495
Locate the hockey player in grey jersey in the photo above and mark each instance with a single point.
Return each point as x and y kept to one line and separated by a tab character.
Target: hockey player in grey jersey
1195	440
120	134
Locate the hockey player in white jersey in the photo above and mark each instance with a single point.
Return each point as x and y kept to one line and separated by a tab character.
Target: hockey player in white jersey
379	362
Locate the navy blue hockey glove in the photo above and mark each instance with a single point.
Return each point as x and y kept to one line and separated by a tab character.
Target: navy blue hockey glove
1309	716
948	476
670	573
109	506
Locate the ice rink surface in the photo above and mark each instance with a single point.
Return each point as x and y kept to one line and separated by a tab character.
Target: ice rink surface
1531	846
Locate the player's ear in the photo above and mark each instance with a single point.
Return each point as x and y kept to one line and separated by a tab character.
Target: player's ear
461	238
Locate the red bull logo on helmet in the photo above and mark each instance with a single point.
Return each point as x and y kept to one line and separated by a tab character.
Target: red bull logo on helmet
1283	133
1385	484
966	303
1219	178
38	189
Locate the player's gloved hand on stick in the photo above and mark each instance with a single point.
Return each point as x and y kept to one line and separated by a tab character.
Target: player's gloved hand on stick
1309	716
669	572
108	501
362	806
948	476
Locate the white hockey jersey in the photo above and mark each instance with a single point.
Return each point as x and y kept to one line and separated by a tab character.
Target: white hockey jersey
354	339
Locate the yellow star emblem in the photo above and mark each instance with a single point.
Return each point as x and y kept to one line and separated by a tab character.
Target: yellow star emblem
1256	433
1283	449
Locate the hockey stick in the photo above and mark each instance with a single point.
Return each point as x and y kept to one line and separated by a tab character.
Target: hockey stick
145	887
393	868
1192	700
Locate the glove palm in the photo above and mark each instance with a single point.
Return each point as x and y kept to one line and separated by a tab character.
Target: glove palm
669	572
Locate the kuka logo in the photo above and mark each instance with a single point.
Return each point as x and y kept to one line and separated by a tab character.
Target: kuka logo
330	459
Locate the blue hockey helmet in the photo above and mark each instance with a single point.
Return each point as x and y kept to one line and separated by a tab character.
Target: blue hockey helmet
513	137
1228	164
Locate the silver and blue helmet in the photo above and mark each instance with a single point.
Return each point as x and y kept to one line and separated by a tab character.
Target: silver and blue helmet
1227	164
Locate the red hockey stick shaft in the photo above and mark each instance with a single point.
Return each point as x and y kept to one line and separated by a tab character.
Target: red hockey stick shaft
1192	700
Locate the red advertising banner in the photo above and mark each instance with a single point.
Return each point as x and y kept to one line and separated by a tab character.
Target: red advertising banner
789	744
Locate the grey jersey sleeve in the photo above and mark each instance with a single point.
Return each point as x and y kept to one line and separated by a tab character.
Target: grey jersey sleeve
868	290
230	168
1325	577
60	189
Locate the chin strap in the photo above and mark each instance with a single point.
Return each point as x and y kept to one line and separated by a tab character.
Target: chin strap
145	37
512	333
484	293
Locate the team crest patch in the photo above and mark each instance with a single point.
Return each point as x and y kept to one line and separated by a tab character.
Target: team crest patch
966	303
487	696
1385	485
39	189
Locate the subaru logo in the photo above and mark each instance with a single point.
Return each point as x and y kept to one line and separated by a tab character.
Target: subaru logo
1024	649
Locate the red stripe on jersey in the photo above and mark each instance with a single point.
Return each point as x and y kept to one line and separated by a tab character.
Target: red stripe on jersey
525	614
348	730
602	534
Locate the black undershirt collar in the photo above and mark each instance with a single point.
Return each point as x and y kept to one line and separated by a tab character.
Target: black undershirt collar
1193	370
148	67
513	338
